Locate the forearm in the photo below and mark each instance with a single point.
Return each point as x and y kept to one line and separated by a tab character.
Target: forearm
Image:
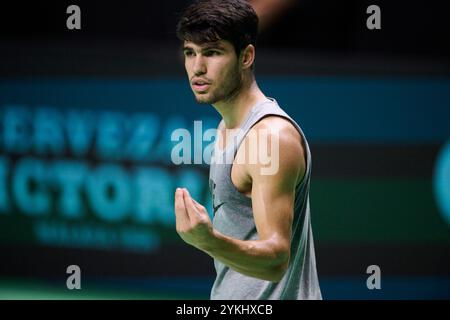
264	259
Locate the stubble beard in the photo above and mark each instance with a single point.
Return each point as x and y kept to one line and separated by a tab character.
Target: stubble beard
232	87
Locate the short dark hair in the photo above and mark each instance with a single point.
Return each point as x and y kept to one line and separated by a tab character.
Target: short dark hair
213	20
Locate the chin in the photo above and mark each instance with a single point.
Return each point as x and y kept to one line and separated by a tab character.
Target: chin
203	99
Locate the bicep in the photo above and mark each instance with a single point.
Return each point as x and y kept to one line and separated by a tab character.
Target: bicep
273	195
273	211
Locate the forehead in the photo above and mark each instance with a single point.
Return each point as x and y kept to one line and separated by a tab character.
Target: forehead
219	44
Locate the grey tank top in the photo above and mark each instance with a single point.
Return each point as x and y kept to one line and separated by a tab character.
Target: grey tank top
233	216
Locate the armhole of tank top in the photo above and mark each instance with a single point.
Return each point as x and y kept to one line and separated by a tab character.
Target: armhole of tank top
303	141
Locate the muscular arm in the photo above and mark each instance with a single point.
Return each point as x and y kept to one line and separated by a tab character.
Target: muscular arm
272	201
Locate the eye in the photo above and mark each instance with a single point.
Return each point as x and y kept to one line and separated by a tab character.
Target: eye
188	53
210	53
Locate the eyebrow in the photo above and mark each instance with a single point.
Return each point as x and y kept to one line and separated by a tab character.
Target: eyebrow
209	46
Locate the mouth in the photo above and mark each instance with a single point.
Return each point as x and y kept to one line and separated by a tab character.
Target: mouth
200	85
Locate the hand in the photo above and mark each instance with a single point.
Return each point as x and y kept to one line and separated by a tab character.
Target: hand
192	220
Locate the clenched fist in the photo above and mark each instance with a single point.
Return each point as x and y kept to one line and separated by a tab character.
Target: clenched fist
192	221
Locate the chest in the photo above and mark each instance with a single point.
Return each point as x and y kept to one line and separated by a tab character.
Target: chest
239	174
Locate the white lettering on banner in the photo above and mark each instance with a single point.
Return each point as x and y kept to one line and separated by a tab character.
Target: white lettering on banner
101	134
113	194
92	179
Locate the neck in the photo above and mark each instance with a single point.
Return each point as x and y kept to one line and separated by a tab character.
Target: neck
234	109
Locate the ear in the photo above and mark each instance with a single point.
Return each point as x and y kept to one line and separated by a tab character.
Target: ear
248	56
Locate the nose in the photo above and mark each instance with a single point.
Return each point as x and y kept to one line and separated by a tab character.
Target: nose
199	65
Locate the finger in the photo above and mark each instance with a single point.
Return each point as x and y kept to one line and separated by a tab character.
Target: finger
181	214
197	205
190	206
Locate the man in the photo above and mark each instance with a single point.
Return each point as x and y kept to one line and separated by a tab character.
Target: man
260	237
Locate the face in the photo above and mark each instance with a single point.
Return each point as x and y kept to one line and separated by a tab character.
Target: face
213	70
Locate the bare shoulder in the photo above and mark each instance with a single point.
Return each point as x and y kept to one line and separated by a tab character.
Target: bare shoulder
288	135
290	146
279	122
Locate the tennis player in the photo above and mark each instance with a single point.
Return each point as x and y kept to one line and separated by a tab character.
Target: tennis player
260	237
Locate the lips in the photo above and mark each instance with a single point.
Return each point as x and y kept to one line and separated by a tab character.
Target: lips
200	85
